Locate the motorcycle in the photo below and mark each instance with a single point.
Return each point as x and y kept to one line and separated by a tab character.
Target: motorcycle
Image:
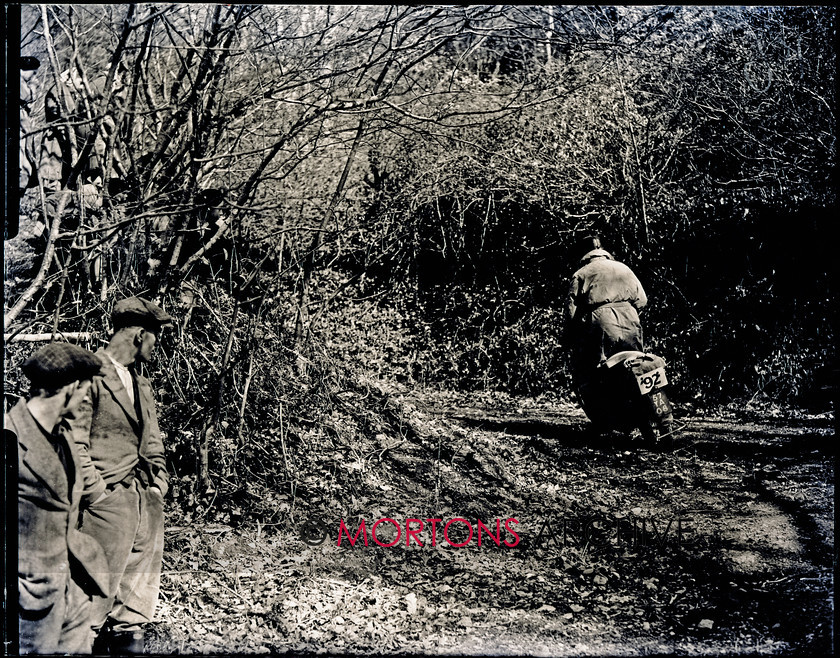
627	391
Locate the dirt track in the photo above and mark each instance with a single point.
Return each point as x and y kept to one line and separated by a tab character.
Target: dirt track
721	544
760	498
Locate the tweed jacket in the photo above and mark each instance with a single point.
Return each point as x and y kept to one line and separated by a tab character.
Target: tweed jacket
50	547
116	438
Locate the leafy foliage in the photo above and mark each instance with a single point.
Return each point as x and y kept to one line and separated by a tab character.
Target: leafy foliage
328	194
693	169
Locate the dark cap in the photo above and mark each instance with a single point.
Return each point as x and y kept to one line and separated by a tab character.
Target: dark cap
587	243
59	364
29	63
139	312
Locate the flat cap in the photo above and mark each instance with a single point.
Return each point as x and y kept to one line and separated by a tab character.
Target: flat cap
58	364
139	312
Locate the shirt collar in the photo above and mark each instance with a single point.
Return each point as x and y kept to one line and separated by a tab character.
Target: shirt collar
596	253
119	366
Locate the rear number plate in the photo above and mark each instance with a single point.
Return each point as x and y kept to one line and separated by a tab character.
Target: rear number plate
652	380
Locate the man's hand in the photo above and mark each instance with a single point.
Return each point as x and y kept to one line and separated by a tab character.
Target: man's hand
104	494
93	497
161	484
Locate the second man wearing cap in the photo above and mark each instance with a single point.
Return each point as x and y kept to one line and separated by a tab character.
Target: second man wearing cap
124	469
60	570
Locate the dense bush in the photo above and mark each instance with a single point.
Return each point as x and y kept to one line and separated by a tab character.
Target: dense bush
394	192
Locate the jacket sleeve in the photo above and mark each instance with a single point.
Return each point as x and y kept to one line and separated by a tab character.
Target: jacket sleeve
79	429
42	565
641	299
154	449
571	307
154	452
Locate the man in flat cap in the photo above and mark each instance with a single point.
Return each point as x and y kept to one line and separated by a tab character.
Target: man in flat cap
60	570
124	469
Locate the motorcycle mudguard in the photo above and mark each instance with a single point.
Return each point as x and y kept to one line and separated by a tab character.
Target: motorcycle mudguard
612	398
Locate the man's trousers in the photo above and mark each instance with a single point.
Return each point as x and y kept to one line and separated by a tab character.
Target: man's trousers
128	523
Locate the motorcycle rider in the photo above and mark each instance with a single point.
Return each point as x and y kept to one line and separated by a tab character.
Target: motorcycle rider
605	297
